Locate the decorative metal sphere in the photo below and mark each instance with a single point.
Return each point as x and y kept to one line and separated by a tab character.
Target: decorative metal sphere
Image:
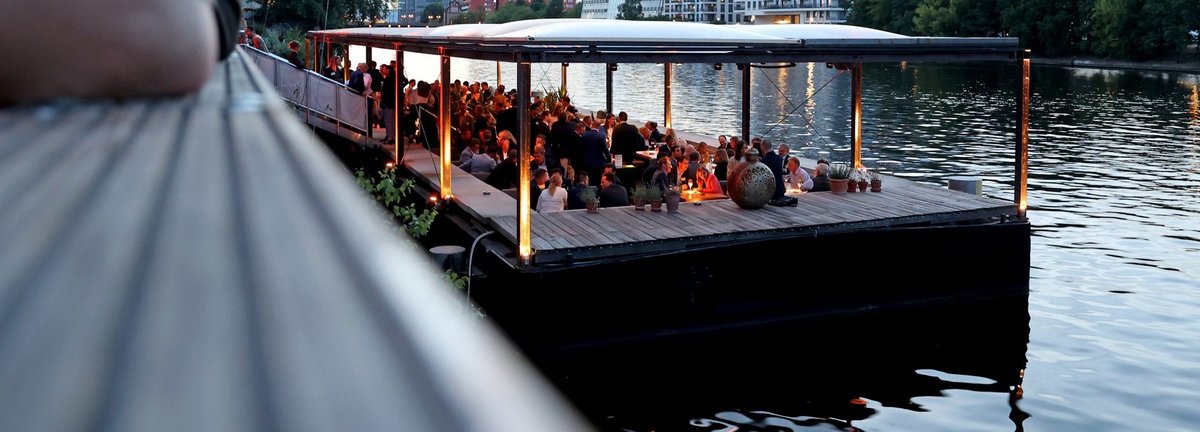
753	185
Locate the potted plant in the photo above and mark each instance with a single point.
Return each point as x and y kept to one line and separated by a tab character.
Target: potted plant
639	197
876	182
588	195
654	196
839	175
864	177
671	197
852	182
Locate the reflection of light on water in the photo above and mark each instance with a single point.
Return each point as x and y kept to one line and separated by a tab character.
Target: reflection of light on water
1195	105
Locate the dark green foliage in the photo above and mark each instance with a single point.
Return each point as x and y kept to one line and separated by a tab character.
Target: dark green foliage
432	11
554	9
1128	29
311	14
630	10
390	192
575	12
513	12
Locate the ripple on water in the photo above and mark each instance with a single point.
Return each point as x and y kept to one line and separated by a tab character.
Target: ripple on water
1114	192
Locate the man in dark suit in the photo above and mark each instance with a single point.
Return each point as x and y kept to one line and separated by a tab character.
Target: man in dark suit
626	141
595	152
612	194
773	161
504	175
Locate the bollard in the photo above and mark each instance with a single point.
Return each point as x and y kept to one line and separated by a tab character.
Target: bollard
448	256
968	184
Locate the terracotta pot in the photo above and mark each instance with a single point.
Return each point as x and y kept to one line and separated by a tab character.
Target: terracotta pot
672	201
862	185
851	186
656	205
639	204
591	206
838	186
876	185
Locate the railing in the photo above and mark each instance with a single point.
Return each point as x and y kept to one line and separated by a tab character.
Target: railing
312	92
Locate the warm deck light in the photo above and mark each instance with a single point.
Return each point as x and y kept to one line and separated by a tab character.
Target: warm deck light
1022	180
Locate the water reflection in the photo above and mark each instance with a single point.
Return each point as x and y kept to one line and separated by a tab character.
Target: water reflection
826	375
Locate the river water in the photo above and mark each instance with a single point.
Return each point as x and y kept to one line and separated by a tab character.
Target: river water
1112	318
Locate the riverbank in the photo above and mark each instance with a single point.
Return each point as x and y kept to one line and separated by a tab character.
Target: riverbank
1168	66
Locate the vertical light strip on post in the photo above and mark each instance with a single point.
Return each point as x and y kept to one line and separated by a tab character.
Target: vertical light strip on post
608	86
497	74
857	115
1021	188
745	68
397	104
444	124
563	84
667	69
524	237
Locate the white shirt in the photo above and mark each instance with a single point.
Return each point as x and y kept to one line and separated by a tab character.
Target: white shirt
552	203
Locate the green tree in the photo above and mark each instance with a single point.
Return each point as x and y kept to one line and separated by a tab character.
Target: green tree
471	17
935	18
1114	25
575	12
630	10
1052	28
512	12
889	15
432	11
554	9
537	5
311	14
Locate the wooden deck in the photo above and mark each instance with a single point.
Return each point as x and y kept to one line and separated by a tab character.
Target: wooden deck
623	231
203	263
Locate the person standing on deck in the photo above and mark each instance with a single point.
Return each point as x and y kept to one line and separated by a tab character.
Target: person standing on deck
249	38
626	141
387	103
293	56
595	152
333	69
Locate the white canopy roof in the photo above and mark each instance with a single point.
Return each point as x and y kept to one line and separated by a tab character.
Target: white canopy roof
595	40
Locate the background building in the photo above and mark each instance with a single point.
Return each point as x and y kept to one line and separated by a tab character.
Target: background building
704	11
608	9
794	11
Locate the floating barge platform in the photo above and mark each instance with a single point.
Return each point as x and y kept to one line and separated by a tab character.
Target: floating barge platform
572	278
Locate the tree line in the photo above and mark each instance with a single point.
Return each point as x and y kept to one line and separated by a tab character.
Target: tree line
1126	29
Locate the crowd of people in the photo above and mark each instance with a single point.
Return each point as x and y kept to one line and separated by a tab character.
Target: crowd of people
572	151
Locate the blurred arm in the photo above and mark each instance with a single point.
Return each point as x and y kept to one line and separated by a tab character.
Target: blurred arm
110	48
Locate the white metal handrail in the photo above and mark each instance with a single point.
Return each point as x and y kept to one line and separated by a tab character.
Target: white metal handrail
313	93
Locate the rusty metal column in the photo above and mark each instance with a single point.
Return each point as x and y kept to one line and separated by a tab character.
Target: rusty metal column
667	69
856	115
524	237
745	68
608	86
444	125
1021	186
